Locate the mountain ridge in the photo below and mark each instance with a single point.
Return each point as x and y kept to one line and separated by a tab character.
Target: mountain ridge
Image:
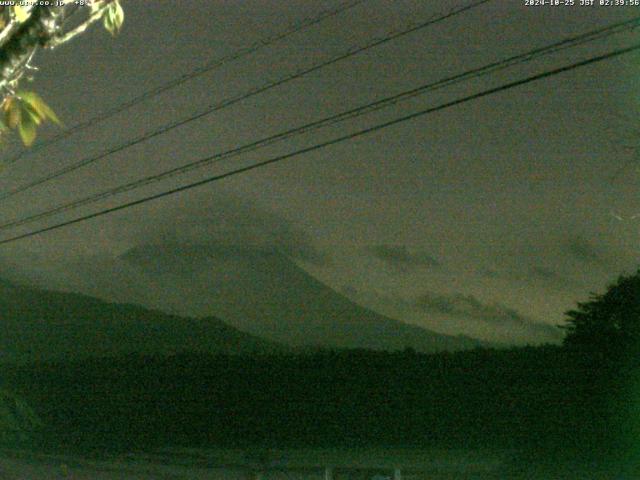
254	296
47	325
264	292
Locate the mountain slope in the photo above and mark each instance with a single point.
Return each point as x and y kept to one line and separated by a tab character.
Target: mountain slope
263	292
44	325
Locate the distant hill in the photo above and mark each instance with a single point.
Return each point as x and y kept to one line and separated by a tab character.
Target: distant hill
263	292
44	325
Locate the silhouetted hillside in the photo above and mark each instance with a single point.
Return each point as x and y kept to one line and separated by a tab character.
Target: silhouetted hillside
44	325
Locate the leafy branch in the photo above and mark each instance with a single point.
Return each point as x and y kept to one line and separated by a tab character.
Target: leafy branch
23	30
24	112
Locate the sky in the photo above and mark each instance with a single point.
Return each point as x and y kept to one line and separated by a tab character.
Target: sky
505	210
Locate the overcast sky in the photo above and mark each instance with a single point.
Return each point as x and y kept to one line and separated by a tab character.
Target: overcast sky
504	207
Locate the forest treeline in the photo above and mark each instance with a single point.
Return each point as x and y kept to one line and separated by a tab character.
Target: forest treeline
540	398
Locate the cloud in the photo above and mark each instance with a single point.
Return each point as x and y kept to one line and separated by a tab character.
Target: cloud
544	273
549	277
526	271
400	257
226	221
581	249
457	314
469	308
489	273
185	238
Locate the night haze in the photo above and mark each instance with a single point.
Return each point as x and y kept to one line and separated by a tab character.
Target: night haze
434	244
506	193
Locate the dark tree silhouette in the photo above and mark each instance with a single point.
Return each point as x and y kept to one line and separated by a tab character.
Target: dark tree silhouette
608	324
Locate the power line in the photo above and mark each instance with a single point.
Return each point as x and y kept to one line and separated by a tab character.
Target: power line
233	100
333	141
197	72
340	117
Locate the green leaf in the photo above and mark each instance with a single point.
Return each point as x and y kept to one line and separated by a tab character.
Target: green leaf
27	130
113	17
96	5
25	111
21	13
28	111
108	24
37	105
12	112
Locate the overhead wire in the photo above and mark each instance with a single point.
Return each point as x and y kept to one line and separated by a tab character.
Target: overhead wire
334	141
197	72
233	100
333	119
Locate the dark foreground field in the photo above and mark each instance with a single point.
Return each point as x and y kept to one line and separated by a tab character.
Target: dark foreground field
303	464
525	413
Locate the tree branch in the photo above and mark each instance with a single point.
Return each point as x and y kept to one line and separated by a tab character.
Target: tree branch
63	38
35	32
12	26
